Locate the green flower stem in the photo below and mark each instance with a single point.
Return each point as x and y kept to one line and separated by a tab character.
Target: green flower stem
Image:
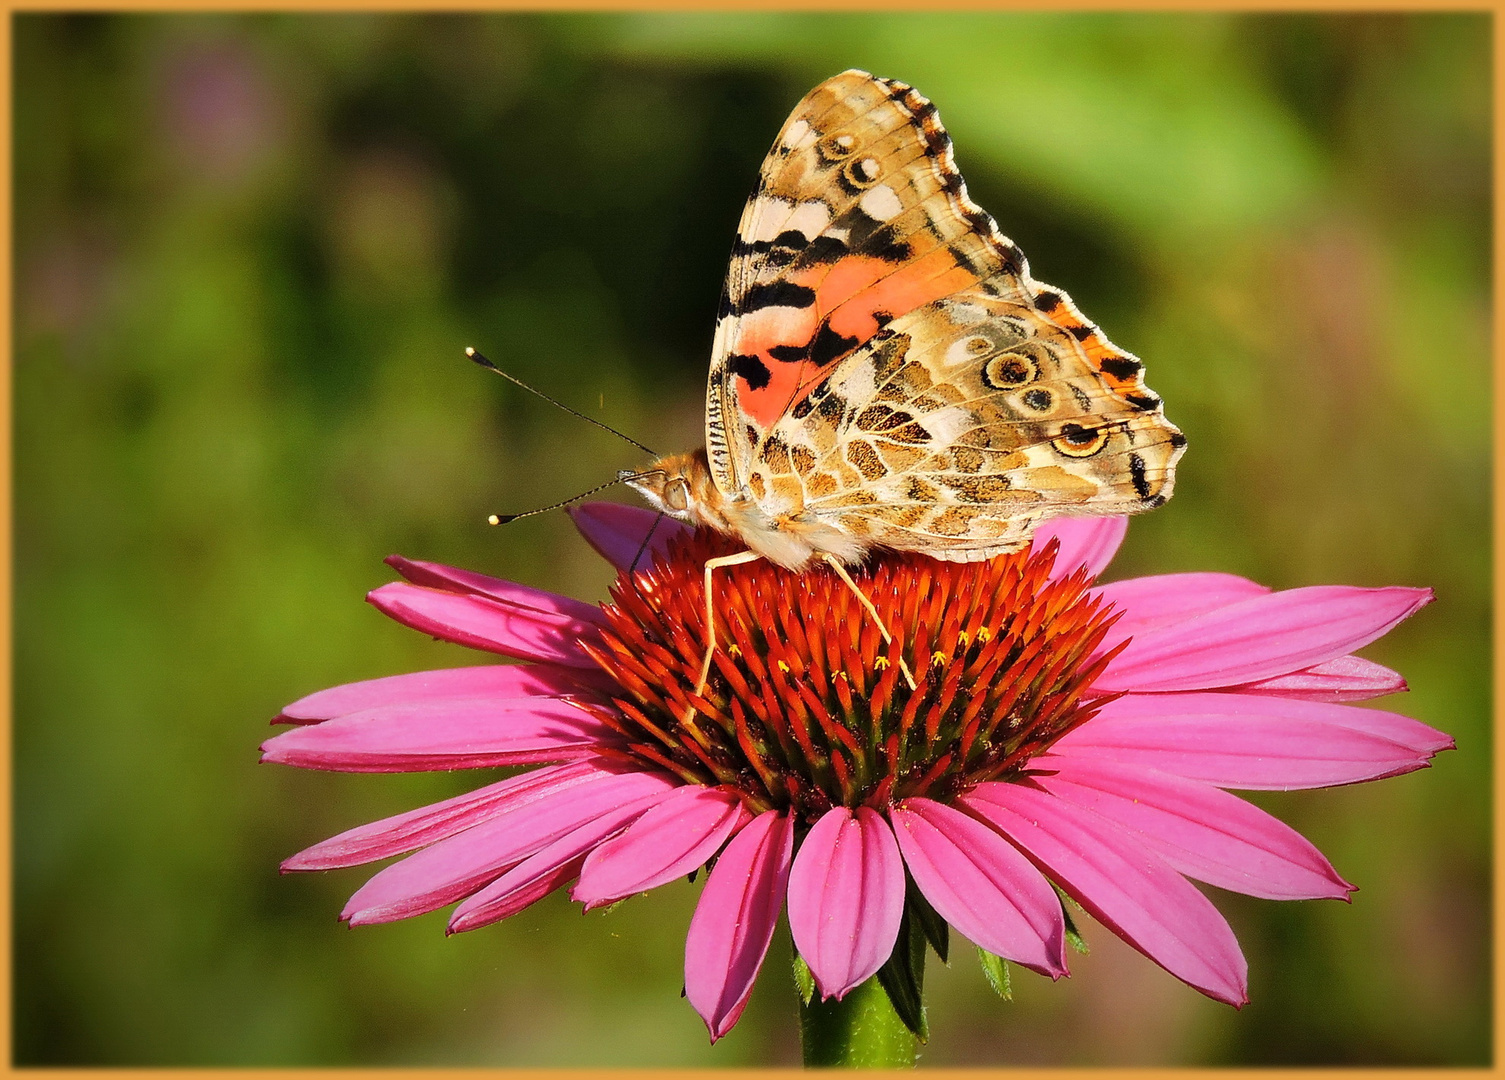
862	1031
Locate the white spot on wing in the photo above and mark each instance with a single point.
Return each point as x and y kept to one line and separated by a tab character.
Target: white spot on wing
881	204
810	218
767	218
800	134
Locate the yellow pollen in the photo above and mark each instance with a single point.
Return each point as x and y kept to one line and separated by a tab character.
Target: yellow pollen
964	638
881	663
983	635
732	650
938	658
784	667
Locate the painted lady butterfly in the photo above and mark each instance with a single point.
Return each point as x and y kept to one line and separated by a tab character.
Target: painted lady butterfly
887	374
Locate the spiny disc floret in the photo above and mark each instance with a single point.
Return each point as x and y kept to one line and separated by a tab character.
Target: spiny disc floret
805	706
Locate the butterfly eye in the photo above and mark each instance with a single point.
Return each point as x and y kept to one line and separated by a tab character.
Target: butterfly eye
677	495
1079	442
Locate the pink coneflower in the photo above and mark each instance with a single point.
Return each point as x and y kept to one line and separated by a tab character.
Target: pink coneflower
1062	733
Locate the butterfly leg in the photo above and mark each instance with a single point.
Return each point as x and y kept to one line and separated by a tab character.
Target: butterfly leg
710	613
841	572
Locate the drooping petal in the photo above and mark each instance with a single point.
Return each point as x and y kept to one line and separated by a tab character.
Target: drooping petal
481	622
1202	831
617	531
846	898
454	579
1254	741
544	871
1122	883
675	837
982	885
461	733
1259	638
1348	678
444	872
497	681
735	918
402	833
1088	541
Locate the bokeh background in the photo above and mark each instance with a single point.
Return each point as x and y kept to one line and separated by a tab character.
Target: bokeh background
249	253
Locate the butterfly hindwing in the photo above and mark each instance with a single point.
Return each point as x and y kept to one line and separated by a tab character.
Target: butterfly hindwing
959	426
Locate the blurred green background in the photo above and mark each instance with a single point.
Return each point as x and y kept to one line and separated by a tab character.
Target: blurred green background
249	253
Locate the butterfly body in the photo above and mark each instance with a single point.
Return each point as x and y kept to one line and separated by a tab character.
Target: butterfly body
885	371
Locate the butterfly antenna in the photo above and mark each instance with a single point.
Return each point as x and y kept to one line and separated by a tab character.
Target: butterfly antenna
503	519
489	366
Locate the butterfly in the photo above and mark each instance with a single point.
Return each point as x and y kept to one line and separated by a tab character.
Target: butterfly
886	374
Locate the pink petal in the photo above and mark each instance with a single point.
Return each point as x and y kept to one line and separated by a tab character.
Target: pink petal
1122	883
428	824
454	579
462	733
981	885
675	837
735	918
1348	678
483	623
1201	831
541	873
1254	741
1259	638
846	898
489	680
617	531
1089	541
444	872
1146	603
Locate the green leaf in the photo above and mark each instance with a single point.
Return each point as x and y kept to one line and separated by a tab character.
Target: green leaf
903	977
804	982
928	919
1073	935
996	968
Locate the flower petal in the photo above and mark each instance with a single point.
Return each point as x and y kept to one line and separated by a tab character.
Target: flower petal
675	837
1146	603
735	918
462	733
982	885
1086	541
617	531
496	681
402	833
543	872
1254	741
455	579
444	872
1259	638
481	622
1348	678
1199	830
846	898
1122	883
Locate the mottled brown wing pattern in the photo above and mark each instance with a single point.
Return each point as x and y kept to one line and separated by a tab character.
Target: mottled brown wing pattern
958	427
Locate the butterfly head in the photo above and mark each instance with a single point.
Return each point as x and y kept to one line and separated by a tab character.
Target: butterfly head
680	485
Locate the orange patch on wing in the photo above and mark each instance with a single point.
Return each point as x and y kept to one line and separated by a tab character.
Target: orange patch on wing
848	297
